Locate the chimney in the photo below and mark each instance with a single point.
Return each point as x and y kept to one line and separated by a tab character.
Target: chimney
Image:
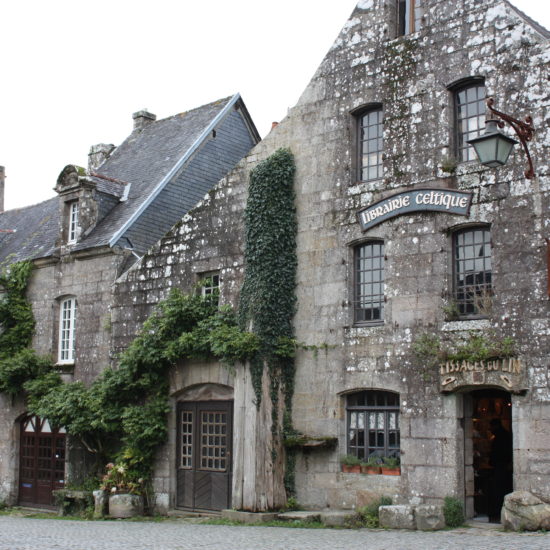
143	118
2	180
98	155
274	125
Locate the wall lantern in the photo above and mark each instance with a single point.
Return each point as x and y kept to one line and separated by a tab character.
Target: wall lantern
493	147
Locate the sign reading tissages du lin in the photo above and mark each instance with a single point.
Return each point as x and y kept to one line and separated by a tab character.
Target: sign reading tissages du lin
418	200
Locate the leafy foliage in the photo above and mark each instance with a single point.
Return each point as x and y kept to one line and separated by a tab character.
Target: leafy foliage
268	299
453	511
368	516
431	350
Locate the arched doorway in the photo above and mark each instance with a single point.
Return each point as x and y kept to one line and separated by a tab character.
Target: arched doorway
488	452
42	461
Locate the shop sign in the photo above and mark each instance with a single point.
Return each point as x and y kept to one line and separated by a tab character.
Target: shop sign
508	374
418	200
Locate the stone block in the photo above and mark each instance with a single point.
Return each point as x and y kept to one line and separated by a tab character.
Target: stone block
249	517
399	516
429	517
162	504
125	506
523	511
100	503
337	518
301	515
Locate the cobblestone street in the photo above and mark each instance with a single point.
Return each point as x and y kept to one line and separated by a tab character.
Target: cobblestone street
44	534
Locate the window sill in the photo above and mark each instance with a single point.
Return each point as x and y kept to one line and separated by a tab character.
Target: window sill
65	367
466	324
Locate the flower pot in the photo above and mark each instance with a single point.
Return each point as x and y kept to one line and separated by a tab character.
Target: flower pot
125	505
390	471
356	469
370	470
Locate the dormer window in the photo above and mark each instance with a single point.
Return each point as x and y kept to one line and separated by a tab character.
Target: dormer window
409	15
73	222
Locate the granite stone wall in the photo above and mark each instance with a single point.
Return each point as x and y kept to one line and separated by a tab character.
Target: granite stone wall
411	77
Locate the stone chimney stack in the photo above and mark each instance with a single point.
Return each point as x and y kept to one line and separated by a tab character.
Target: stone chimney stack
143	118
2	183
98	155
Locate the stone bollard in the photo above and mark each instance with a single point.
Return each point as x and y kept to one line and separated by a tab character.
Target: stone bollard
100	504
397	517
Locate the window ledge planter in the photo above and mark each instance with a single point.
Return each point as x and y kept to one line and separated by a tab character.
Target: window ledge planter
370	470
390	471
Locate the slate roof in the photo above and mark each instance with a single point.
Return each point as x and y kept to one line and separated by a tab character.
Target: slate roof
144	159
36	229
136	169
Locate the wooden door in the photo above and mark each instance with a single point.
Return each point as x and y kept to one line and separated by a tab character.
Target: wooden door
42	462
203	467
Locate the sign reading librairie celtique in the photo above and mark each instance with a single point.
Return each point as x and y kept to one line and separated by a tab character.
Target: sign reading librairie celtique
417	200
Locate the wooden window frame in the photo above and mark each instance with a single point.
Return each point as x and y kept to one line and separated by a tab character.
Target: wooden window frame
463	151
473	300
360	298
385	404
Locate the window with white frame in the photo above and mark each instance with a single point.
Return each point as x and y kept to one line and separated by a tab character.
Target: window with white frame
67	325
73	222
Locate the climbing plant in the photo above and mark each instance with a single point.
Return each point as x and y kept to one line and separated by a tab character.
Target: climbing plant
268	299
18	363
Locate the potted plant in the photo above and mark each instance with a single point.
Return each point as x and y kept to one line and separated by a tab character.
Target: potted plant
124	490
350	464
371	466
390	466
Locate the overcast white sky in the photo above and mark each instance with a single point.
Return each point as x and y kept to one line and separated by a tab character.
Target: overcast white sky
74	71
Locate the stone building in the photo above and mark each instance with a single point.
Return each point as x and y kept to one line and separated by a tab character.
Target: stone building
408	250
100	223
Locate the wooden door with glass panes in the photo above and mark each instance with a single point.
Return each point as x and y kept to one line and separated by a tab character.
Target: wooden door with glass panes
204	435
42	461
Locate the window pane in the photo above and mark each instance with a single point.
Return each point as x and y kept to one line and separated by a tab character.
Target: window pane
472	277
470	118
369	282
371	145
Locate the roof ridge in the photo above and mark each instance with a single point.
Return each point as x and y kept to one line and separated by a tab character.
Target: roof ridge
221	100
27	206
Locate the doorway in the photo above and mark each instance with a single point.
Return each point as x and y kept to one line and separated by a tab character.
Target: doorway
41	462
204	437
489	452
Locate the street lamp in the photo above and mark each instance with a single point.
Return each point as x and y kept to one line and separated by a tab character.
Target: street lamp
493	147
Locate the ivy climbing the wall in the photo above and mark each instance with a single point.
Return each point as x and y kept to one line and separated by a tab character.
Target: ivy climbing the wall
18	363
268	299
122	416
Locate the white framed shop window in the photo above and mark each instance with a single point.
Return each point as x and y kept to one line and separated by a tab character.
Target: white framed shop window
67	326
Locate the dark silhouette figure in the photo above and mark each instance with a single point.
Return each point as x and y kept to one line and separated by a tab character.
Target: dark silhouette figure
500	460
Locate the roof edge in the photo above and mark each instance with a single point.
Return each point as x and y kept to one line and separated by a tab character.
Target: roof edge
162	184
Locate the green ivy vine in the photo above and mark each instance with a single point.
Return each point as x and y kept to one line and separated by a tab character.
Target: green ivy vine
121	417
268	299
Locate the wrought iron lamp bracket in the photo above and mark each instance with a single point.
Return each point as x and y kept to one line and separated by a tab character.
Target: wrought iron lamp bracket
524	130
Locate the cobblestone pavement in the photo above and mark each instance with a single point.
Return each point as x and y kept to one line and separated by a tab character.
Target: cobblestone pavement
18	533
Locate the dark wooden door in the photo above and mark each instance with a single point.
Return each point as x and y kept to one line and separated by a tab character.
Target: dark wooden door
204	430
42	462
